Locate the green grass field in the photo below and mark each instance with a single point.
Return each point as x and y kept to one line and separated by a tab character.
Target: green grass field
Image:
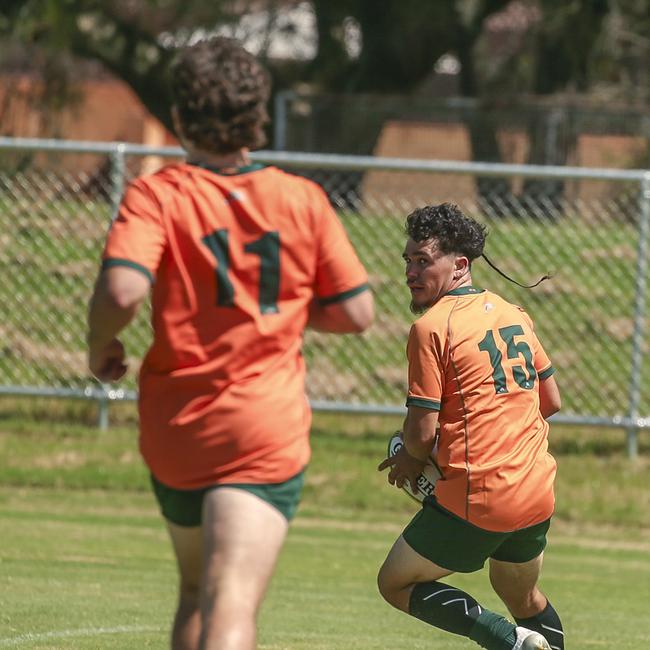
85	563
84	559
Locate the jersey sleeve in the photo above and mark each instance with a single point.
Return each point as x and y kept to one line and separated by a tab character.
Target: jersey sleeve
136	238
541	361
339	272
425	368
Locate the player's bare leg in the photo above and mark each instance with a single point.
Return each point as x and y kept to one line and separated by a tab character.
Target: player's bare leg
242	538
516	585
401	570
409	582
188	544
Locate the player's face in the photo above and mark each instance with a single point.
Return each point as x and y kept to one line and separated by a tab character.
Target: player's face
429	273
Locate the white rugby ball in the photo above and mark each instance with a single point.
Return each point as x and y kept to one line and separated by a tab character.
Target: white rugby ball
426	480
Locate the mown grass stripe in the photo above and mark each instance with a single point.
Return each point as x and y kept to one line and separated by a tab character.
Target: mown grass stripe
31	637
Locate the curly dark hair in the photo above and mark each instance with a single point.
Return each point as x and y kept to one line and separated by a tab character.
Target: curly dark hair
453	231
220	91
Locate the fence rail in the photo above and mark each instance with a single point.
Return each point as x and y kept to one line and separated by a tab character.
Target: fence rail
590	227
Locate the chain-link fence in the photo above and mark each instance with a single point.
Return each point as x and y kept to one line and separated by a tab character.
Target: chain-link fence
57	200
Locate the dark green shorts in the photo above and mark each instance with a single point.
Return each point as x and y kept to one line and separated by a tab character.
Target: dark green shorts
183	507
455	544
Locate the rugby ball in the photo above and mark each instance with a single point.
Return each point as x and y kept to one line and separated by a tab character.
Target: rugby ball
426	480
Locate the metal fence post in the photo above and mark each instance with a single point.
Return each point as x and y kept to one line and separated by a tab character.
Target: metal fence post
639	314
102	412
117	177
281	118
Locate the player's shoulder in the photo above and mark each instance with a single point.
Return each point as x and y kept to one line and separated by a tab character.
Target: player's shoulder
293	181
164	177
144	190
170	179
499	301
507	307
433	320
164	173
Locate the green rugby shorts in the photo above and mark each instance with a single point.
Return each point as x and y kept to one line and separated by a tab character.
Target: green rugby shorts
457	545
183	507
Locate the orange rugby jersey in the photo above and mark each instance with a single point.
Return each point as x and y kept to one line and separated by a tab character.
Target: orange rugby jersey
235	261
475	358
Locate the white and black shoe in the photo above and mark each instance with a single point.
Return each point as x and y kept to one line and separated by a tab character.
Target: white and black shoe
529	640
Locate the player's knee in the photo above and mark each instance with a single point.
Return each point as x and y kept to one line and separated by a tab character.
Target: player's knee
189	594
389	588
523	603
382	587
383	584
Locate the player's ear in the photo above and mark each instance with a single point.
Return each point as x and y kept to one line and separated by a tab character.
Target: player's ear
461	266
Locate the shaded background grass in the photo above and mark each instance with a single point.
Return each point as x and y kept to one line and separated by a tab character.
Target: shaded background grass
55	443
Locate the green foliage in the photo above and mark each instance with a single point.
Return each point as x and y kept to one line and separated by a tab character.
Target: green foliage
543	47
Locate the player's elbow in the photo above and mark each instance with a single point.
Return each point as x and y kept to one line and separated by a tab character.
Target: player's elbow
551	407
556	403
124	301
123	297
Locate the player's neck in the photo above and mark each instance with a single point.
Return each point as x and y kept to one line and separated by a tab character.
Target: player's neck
234	160
465	281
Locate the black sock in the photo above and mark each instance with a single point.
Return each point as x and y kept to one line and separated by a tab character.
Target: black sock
455	611
548	624
445	607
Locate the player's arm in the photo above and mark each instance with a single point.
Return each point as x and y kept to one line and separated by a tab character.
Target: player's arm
352	315
119	292
425	374
419	434
550	401
549	393
343	302
134	247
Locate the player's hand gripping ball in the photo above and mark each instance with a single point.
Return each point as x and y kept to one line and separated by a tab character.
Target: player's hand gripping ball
426	480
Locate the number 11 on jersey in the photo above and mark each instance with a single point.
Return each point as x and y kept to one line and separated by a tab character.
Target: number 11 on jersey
267	248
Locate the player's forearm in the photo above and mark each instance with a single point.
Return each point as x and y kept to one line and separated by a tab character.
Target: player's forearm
416	447
118	294
106	318
420	432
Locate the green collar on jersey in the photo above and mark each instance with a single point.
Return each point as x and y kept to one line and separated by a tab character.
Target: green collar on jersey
463	291
253	167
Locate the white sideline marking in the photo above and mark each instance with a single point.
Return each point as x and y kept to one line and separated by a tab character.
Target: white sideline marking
66	634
